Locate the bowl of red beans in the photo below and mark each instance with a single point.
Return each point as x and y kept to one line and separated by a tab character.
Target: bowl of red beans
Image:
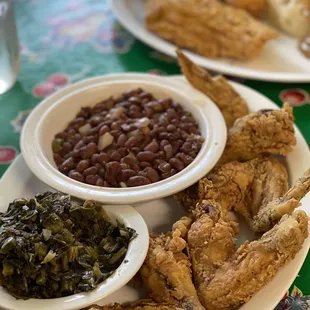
124	140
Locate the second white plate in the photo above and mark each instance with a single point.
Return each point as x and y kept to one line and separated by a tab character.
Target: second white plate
280	61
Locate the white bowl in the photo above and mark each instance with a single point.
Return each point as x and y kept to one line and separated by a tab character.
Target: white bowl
132	262
52	116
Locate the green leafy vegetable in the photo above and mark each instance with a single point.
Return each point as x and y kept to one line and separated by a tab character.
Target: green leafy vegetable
52	247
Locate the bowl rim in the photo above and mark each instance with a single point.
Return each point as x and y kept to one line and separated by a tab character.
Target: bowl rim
203	163
131	264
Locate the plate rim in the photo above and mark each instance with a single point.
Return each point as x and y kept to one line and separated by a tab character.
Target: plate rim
128	21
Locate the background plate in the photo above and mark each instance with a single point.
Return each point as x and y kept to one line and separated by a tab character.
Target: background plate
280	60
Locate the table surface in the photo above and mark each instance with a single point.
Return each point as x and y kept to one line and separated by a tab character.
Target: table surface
65	41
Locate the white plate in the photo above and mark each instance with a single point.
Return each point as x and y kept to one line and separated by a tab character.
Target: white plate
161	214
280	61
52	115
18	182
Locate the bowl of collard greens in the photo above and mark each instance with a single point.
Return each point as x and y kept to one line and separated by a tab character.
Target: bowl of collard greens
58	253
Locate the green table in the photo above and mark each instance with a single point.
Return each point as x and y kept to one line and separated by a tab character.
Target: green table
65	41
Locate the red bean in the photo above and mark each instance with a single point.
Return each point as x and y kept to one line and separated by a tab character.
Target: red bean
125	174
138	181
144	164
177	164
115	156
103	158
121	140
103	129
168	151
90	171
113	168
76	176
171	128
163	143
152	174
79	145
116	125
89	150
129	159
67	165
94	158
131	142
164	167
82	165
135	150
163	135
100	182
122	151
67	147
91	179
146	156
101	172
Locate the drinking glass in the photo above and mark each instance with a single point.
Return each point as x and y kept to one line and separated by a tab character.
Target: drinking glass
9	46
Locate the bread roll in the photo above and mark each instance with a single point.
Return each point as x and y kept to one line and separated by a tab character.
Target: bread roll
292	16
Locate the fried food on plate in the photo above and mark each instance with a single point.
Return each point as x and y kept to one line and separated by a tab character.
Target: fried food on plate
145	305
211	241
259	133
166	271
254	7
245	187
272	212
231	104
256	263
208	27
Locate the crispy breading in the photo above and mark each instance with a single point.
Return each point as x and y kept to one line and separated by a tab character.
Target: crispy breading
208	27
166	271
231	104
259	133
246	187
256	263
272	212
211	241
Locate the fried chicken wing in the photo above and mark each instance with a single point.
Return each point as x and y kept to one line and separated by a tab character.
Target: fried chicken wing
213	29
166	271
262	132
256	263
231	104
245	187
272	212
211	241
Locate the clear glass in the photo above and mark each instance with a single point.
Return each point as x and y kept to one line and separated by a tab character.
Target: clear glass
9	47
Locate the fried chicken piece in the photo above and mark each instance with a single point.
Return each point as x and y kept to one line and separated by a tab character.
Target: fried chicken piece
145	305
255	7
272	212
213	29
211	241
258	133
231	104
256	263
166	271
245	187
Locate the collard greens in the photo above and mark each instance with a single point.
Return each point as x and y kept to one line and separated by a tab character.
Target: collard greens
52	247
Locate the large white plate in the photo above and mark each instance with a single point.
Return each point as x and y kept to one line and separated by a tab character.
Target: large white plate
280	60
160	214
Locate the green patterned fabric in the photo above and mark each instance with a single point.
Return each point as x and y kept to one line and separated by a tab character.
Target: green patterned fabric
66	41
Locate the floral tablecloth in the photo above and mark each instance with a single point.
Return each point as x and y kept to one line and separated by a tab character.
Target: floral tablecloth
65	41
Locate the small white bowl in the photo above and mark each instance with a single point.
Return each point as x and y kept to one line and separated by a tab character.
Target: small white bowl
132	262
52	116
